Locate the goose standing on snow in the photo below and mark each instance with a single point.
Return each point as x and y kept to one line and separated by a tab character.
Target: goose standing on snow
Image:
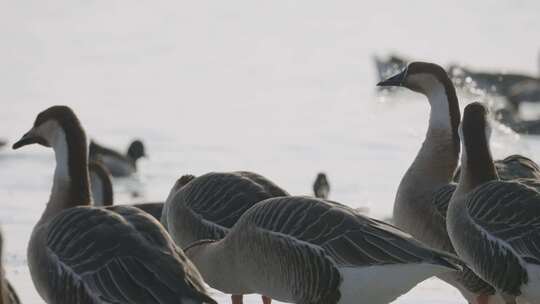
309	250
81	254
118	164
495	225
208	207
425	190
321	187
7	292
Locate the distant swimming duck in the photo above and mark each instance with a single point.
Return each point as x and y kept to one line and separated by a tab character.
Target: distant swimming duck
424	191
83	254
3	142
309	250
208	206
491	82
321	187
119	165
511	119
494	225
8	295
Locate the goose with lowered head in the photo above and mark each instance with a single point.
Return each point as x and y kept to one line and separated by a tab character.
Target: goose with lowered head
309	250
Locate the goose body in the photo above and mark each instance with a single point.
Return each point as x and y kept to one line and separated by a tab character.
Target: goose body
118	164
82	254
493	224
308	250
426	188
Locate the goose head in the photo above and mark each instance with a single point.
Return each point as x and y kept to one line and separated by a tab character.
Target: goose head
420	77
50	128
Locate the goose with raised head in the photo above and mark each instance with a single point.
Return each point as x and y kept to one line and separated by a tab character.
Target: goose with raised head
308	250
424	191
321	187
118	164
494	225
208	207
101	184
8	295
83	254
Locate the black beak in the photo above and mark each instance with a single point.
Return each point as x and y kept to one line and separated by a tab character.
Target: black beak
28	139
394	81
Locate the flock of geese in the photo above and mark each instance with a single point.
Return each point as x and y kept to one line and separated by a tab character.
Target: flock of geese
476	227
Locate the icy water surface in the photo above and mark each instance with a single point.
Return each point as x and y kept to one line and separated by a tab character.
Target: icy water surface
283	88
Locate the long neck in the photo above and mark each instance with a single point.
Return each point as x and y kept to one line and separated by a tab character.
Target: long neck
71	181
216	268
477	164
437	159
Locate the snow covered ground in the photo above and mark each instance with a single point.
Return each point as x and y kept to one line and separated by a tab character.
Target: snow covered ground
283	88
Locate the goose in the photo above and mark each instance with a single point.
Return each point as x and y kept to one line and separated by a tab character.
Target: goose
83	254
118	164
309	250
101	184
8	295
321	187
425	190
494	224
208	206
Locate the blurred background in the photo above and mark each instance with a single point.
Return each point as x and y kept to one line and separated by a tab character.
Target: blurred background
282	88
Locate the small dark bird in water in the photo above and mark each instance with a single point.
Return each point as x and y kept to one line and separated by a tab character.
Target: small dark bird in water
321	187
118	164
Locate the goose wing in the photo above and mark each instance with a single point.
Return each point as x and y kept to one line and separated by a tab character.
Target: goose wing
350	238
98	255
269	186
154	209
509	211
211	204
